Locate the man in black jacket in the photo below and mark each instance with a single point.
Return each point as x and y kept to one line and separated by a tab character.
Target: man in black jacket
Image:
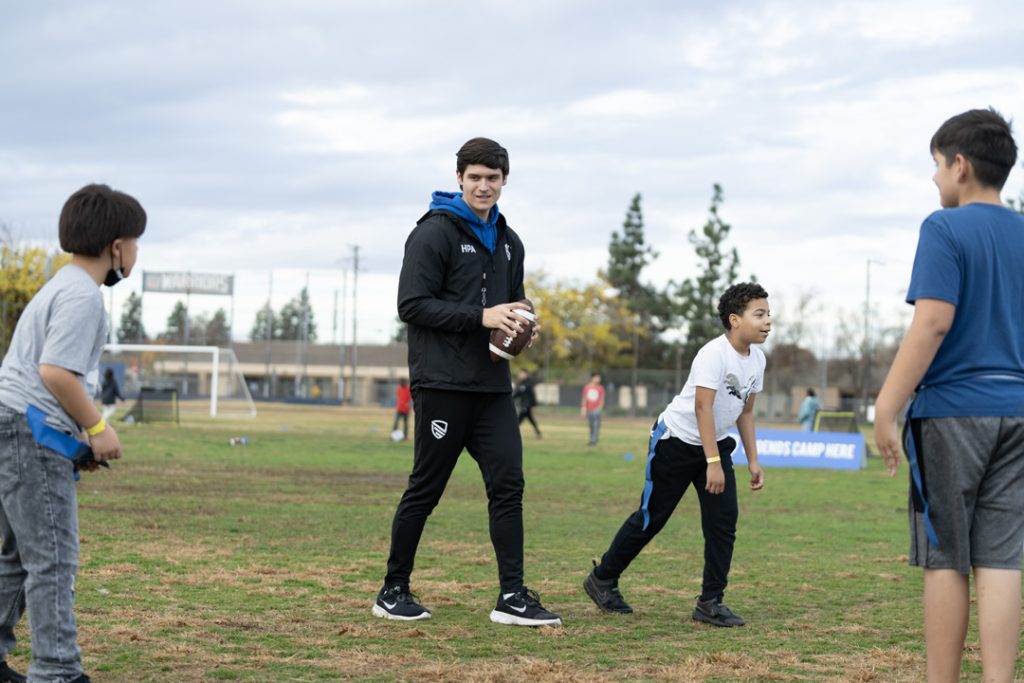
462	277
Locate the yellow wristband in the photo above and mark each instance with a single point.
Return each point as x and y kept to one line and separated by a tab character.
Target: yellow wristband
97	428
714	459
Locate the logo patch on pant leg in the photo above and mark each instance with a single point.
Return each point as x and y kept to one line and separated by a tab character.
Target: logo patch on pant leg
438	428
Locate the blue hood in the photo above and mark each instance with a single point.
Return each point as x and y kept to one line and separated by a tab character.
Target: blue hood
452	202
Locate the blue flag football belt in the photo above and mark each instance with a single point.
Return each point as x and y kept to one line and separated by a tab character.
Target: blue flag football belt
915	475
656	434
56	440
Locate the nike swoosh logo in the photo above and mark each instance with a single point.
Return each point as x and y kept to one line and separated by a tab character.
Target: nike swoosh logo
518	609
390	605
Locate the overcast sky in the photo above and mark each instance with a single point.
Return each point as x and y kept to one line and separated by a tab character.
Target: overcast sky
272	136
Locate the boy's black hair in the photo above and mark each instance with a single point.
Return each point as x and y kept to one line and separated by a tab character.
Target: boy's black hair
482	151
984	138
736	298
95	216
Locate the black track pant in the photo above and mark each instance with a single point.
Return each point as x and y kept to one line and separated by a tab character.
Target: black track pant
527	414
674	466
446	423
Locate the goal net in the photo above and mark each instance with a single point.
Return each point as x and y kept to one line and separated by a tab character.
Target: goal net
836	421
190	380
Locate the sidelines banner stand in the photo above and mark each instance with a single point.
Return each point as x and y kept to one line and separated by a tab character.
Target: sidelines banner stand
822	450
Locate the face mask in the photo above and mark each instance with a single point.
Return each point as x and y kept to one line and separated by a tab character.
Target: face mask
114	275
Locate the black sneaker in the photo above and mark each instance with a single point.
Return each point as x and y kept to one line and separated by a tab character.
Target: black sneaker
9	675
81	679
716	613
523	609
605	594
396	602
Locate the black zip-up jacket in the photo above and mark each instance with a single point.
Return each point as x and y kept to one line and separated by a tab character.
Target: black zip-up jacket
448	279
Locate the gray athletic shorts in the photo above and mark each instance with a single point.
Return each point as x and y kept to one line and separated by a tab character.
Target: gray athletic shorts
973	475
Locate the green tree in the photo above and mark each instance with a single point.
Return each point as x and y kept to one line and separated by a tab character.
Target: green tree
266	325
296	318
218	331
697	298
401	335
174	331
131	330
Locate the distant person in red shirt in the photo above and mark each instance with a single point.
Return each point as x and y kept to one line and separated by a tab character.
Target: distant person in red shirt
403	406
592	405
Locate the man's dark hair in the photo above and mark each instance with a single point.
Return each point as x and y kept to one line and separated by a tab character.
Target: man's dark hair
811	391
95	216
736	298
482	151
985	139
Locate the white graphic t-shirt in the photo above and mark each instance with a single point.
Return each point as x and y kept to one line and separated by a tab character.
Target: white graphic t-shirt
734	378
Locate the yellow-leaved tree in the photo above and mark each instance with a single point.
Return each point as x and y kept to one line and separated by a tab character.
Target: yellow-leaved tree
583	326
23	271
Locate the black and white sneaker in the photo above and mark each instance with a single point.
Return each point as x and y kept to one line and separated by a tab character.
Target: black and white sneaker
396	602
716	613
523	609
605	594
9	675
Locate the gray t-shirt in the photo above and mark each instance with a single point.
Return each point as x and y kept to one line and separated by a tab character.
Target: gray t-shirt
65	325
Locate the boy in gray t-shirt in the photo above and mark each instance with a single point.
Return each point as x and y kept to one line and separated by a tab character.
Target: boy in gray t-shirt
48	419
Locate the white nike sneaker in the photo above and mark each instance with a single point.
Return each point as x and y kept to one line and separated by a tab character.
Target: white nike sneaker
396	602
523	608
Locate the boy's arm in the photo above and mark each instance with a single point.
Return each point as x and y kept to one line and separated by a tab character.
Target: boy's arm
932	320
68	391
703	404
745	426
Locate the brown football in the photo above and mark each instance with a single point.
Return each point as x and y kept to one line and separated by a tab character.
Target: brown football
504	347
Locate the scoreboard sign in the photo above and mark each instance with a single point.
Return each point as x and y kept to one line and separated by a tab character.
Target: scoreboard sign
188	283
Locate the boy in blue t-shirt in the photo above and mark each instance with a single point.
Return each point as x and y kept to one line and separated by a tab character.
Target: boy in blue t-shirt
48	419
964	357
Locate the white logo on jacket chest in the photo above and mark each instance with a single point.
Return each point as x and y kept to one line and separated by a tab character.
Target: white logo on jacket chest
508	252
468	249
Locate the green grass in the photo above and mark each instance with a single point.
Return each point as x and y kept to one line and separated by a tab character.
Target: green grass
203	561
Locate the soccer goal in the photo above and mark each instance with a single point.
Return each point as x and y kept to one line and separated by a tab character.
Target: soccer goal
836	421
200	377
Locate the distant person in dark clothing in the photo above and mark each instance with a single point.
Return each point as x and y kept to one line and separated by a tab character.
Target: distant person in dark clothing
110	393
403	405
527	399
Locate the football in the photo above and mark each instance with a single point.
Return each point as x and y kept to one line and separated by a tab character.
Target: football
504	347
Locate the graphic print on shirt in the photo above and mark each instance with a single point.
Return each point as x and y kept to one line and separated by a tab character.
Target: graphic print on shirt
732	385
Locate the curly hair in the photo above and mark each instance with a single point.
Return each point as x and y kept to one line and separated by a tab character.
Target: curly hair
736	298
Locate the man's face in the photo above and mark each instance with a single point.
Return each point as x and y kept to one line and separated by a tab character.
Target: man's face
755	323
945	179
481	187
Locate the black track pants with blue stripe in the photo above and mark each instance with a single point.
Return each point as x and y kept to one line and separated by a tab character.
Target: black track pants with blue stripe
674	466
486	425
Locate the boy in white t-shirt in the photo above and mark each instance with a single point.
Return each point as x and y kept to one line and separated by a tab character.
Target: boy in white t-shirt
690	445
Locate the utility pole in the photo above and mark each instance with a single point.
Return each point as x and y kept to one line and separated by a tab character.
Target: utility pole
268	322
867	336
341	337
355	301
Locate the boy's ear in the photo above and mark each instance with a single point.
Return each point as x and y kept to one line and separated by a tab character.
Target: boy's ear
963	168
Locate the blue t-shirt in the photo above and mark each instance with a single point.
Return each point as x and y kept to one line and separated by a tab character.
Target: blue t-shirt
973	257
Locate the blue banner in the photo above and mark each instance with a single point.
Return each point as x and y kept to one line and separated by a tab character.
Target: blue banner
785	448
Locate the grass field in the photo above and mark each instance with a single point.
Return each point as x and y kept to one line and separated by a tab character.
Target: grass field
204	561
